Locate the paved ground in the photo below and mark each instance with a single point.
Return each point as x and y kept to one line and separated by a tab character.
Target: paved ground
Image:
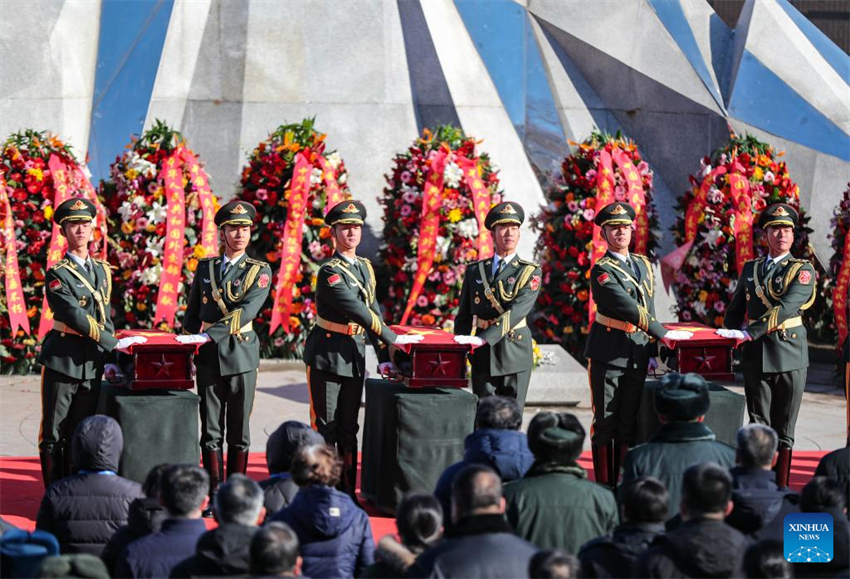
282	395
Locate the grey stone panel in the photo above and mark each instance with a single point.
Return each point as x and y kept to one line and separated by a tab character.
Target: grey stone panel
432	100
213	130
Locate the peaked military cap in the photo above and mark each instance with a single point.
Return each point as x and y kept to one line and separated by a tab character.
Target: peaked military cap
350	212
682	397
235	213
617	213
504	212
778	214
75	209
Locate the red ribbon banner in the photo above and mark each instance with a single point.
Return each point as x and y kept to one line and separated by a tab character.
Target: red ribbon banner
14	292
839	294
636	198
428	226
697	206
175	231
100	219
332	191
290	252
604	196
58	244
202	185
480	203
743	215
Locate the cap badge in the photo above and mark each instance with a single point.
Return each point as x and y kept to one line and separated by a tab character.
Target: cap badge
78	206
239	209
618	210
509	209
350	209
780	212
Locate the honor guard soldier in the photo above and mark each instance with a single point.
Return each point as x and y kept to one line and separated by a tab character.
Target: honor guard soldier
622	343
226	295
497	295
335	352
771	294
78	290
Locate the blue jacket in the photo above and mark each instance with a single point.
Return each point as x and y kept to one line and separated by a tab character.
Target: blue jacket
505	451
335	535
155	555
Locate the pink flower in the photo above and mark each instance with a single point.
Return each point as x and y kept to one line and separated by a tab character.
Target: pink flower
572	206
719	306
141	222
591	175
619	193
643	168
686	315
405	210
405	177
588	214
496	198
449	277
409	196
422	302
262	194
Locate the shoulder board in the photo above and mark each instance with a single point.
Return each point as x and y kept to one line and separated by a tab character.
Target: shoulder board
208	258
526	262
253	261
105	263
366	259
795	260
61	263
641	256
335	262
605	260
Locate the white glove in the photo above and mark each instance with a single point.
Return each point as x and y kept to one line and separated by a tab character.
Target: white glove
676	335
193	339
470	340
125	343
732	334
387	369
405	339
652	366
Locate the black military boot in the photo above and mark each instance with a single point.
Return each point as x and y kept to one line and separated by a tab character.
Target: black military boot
51	465
237	461
348	484
214	465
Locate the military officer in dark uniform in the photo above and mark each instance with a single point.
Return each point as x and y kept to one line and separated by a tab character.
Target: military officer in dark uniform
497	295
622	343
78	290
226	295
335	352
771	294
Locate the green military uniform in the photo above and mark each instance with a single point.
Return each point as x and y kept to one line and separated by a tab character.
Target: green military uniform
499	301
622	339
222	305
769	300
74	350
335	352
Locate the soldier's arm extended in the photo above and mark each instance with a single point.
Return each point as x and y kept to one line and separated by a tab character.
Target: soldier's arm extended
249	306
517	309
623	306
737	308
377	343
463	319
799	296
192	321
66	309
334	285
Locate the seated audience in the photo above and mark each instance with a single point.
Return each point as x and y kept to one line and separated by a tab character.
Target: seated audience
824	495
481	543
766	560
274	552
836	465
681	402
22	552
146	516
419	520
703	545
281	447
496	442
79	565
334	533
554	506
223	551
85	509
184	494
643	511
553	565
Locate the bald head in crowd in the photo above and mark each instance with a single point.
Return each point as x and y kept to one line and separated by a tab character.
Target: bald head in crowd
477	490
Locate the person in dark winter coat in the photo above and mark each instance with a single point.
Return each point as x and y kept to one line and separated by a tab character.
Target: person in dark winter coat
85	509
334	533
419	520
281	447
481	543
643	511
766	560
836	465
146	517
224	551
274	552
824	495
496	443
681	402
760	505
184	493
703	545
554	506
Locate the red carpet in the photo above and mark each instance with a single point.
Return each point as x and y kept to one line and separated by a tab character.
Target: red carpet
21	488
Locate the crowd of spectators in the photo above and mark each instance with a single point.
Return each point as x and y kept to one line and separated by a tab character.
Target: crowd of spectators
517	505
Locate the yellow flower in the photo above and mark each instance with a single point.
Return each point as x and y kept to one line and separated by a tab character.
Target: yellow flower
150	228
703	295
455	215
141	306
294	322
758	174
126	228
37	173
131	174
200	251
48	212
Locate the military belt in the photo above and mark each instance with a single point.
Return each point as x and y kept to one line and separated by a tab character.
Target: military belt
616	324
484	324
246	328
350	329
65	328
794	322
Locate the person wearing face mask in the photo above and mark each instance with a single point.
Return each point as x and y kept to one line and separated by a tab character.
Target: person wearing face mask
623	340
335	352
764	315
496	296
78	290
228	292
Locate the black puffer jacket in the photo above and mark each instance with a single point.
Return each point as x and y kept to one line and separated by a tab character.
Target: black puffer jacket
614	554
146	516
84	510
221	552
